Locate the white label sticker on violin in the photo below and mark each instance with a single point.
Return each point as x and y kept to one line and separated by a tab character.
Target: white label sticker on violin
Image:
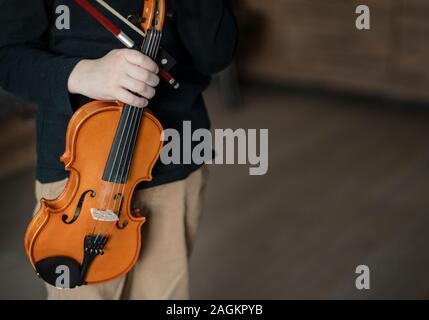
104	215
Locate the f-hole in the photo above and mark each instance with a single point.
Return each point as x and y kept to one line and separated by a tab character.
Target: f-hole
119	225
79	207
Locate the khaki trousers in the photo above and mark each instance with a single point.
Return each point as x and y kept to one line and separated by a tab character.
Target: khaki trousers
161	272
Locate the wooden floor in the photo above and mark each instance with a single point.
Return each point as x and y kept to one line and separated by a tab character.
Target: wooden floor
348	184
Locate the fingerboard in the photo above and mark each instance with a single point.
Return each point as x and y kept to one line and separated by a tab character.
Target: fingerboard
121	153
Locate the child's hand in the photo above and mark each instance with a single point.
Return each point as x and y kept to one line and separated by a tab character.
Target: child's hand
119	75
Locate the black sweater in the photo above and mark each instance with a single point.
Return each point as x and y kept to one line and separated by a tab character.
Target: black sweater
36	60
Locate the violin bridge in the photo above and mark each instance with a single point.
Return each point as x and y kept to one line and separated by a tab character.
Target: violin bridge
104	215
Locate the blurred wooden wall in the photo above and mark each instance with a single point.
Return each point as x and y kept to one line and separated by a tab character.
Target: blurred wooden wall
315	42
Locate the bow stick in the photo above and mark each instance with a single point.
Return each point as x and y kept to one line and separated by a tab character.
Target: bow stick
120	17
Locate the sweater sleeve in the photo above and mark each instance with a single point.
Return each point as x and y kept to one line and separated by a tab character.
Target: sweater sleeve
27	67
209	31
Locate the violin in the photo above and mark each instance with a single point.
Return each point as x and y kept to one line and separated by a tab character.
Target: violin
110	148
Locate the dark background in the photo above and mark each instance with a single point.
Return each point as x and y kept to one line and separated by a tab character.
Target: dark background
348	181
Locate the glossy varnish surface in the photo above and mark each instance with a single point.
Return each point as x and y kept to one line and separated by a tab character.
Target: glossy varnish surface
88	141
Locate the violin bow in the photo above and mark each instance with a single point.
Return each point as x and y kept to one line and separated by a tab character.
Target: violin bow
121	35
120	17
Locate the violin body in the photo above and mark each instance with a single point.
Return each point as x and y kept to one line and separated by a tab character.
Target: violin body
64	231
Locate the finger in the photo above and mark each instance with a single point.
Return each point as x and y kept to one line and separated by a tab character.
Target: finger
143	75
138	87
141	60
127	97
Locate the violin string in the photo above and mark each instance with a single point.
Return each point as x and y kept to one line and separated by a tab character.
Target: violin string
153	41
117	187
124	157
147	48
126	169
151	44
147	44
144	44
109	181
121	188
145	41
109	186
118	147
117	166
157	44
